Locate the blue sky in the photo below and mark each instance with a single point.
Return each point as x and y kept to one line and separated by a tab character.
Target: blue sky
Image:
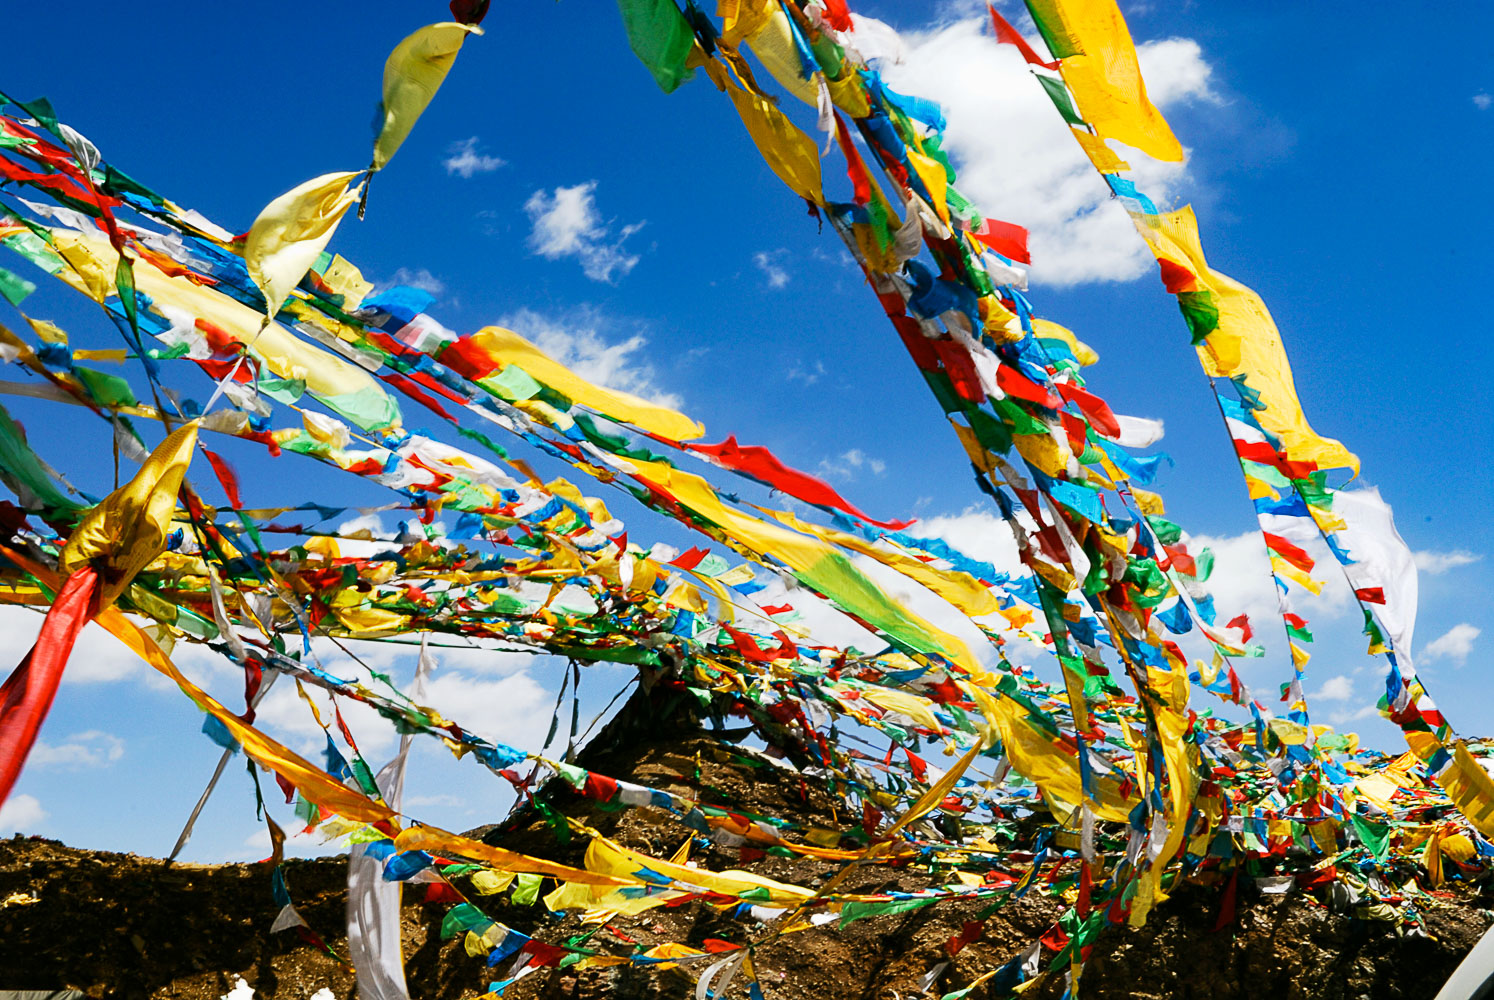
1334	167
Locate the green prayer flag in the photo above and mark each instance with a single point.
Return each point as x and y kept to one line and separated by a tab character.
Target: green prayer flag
465	917
854	911
1048	17
35	249
124	283
661	39
110	390
23	472
512	383
1314	490
1204	561
1375	836
1200	313
14	287
526	889
282	390
1059	95
1168	533
371	408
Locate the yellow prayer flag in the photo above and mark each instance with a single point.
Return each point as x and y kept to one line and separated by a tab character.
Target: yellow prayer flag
292	232
508	348
1101	155
412	75
1045	329
789	153
1104	76
1244	342
125	533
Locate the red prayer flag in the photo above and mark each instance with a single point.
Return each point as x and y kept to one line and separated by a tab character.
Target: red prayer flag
1008	35
837	15
442	892
1227	903
600	787
855	166
1101	417
1371	595
749	648
1014	383
690	559
1293	554
544	954
1006	238
27	694
1074	429
1182	560
226	477
410	388
1177	278
960	368
762	465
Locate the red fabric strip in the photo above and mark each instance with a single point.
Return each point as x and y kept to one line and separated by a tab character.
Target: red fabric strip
226	477
1006	238
1014	383
837	15
855	166
1291	553
762	465
27	694
690	559
1008	35
1101	417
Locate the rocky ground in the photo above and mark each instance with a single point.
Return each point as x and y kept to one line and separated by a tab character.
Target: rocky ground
116	925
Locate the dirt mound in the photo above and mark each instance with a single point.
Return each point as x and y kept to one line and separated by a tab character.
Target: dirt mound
116	925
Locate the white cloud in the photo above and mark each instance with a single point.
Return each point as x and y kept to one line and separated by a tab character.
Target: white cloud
977	533
379	538
443	799
767	261
485	690
1440	562
1242	582
1483	101
849	463
21	814
466	161
97	656
1015	156
577	341
513	709
808	374
1176	72
417	277
567	224
1344	718
1454	644
94	748
1340	688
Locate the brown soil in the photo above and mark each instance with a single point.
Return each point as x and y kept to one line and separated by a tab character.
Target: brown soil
118	925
